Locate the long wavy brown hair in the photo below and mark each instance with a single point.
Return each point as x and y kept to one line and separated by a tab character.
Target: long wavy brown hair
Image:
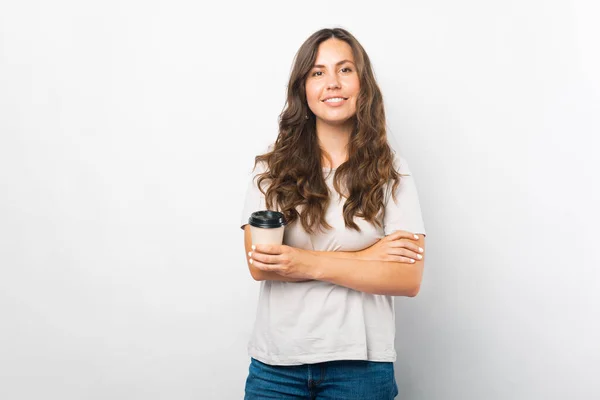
294	170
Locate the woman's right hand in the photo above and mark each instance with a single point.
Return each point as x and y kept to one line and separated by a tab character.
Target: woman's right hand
399	246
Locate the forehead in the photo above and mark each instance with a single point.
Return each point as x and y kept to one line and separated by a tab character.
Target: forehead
333	50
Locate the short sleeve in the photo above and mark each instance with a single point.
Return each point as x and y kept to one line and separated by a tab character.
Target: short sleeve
254	200
404	213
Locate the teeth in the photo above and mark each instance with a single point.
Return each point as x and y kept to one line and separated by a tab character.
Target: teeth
334	100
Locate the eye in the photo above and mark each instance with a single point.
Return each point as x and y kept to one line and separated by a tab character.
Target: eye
346	69
317	72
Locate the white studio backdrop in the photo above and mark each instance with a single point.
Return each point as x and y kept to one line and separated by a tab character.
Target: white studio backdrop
128	131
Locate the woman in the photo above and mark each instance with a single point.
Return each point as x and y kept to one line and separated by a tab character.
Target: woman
354	235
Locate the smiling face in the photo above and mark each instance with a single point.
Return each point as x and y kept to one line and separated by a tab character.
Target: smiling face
332	85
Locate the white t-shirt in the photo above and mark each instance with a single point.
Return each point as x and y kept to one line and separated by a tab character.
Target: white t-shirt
315	321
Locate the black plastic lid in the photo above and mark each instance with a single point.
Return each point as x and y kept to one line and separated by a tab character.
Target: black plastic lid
267	219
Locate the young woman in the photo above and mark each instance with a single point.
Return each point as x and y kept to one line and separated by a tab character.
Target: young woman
354	236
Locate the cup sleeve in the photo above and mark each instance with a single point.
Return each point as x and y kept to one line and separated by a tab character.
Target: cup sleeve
254	200
405	212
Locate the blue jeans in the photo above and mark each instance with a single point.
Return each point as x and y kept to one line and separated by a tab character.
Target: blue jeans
342	380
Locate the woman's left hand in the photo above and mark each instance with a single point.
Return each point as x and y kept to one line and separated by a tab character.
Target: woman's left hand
284	260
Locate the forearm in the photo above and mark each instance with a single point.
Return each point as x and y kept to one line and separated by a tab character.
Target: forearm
261	275
369	276
338	254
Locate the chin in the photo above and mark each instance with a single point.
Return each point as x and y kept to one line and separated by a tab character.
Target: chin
336	121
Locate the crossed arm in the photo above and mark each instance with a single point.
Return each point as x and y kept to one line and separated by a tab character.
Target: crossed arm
352	270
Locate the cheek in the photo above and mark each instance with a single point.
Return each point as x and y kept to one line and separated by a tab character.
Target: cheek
312	94
355	84
355	91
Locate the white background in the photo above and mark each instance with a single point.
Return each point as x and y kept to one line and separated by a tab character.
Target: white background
128	131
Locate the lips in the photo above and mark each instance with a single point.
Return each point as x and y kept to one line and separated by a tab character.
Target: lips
334	99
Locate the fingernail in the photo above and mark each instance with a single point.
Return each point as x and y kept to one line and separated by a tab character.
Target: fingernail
412	261
250	254
419	256
253	247
420	249
251	261
416	236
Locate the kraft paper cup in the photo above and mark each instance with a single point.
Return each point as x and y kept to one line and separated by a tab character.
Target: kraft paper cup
267	227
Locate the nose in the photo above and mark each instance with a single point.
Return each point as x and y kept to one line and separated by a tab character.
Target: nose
333	82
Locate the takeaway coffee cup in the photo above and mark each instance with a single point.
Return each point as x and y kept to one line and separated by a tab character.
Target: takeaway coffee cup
267	227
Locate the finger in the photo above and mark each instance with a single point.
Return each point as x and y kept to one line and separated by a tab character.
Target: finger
406	253
268	248
265	267
405	260
401	235
408	245
264	258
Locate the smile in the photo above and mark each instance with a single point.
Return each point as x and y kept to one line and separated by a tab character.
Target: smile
335	100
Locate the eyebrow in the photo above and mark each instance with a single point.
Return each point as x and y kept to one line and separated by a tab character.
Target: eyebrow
338	63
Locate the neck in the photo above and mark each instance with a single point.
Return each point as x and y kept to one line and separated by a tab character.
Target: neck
333	140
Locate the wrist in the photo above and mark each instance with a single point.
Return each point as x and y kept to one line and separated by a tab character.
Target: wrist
313	264
317	262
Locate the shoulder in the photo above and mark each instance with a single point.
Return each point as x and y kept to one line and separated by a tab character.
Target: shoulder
400	164
401	167
262	166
